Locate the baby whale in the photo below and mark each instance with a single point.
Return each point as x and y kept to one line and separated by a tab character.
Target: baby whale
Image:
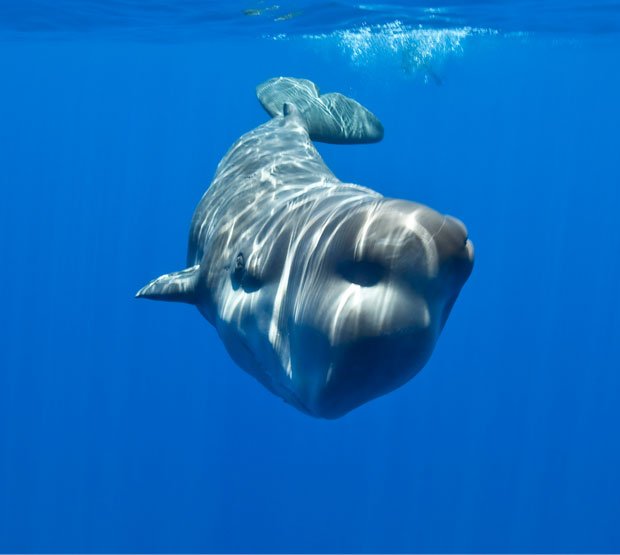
326	292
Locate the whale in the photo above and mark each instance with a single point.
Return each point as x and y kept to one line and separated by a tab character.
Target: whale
326	292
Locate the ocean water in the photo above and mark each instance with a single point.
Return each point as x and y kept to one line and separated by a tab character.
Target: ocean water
125	426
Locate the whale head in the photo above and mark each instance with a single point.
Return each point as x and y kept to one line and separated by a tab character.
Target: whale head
369	300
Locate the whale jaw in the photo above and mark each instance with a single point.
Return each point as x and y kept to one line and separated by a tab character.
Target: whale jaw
331	381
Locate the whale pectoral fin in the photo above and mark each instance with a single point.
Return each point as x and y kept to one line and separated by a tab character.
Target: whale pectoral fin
176	287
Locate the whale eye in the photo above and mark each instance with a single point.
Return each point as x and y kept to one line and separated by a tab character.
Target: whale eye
362	272
238	270
241	278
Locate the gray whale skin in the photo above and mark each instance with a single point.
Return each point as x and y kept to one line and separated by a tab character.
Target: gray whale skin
326	292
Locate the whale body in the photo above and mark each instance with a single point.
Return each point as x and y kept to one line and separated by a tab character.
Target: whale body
326	292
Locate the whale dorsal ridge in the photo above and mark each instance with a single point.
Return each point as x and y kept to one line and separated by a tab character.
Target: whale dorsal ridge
177	287
329	118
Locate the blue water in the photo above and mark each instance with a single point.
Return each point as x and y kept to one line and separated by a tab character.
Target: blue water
124	425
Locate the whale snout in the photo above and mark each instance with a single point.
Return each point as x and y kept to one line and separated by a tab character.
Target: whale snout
461	233
459	250
427	247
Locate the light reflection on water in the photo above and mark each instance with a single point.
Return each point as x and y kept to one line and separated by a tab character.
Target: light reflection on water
199	20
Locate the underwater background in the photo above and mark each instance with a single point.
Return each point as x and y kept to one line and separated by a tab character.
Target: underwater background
125	426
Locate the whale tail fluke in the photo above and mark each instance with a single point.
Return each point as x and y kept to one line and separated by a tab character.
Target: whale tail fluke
329	118
177	287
